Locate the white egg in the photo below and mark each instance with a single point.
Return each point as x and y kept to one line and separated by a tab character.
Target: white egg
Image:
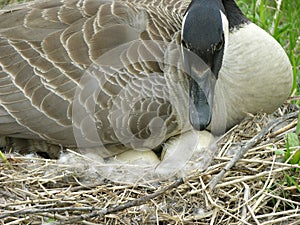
138	157
184	153
192	140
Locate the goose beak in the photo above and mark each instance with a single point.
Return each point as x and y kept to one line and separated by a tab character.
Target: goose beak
201	101
204	32
202	82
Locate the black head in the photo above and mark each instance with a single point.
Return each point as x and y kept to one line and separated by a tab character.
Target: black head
205	31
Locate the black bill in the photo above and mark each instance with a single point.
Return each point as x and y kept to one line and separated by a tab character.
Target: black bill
201	90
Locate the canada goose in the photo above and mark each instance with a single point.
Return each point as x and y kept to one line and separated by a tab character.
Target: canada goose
88	72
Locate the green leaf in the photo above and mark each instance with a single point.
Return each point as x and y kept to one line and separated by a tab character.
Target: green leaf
4	159
296	158
292	141
291	181
279	152
298	125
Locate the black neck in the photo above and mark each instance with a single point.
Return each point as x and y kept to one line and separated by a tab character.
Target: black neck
234	15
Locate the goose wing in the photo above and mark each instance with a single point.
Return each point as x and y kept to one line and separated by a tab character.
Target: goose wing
51	50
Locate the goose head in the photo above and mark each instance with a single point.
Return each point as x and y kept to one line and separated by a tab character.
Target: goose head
234	67
204	33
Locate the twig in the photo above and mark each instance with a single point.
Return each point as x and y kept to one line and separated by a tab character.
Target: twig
253	215
279	214
246	199
259	161
247	178
220	208
249	145
281	219
284	129
128	204
47	210
283	199
95	212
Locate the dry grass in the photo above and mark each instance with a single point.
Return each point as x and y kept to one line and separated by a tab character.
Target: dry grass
254	191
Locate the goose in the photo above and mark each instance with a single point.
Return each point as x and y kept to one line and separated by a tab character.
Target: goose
132	74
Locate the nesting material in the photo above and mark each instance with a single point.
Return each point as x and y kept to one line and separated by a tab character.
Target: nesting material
259	189
181	156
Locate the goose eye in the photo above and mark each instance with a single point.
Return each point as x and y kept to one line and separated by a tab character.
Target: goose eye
219	46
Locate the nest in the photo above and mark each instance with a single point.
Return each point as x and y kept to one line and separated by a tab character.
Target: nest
259	189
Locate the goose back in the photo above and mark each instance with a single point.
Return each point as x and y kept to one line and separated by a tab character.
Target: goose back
47	47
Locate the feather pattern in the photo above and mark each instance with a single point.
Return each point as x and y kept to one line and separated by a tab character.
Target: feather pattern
48	46
86	72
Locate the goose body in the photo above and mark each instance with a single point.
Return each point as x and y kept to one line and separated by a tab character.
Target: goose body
89	73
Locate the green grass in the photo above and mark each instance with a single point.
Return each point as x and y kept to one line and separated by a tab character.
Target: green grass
281	19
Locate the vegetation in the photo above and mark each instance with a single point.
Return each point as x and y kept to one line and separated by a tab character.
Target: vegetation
281	19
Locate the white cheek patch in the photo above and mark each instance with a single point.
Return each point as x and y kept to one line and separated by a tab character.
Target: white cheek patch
225	26
182	27
183	23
